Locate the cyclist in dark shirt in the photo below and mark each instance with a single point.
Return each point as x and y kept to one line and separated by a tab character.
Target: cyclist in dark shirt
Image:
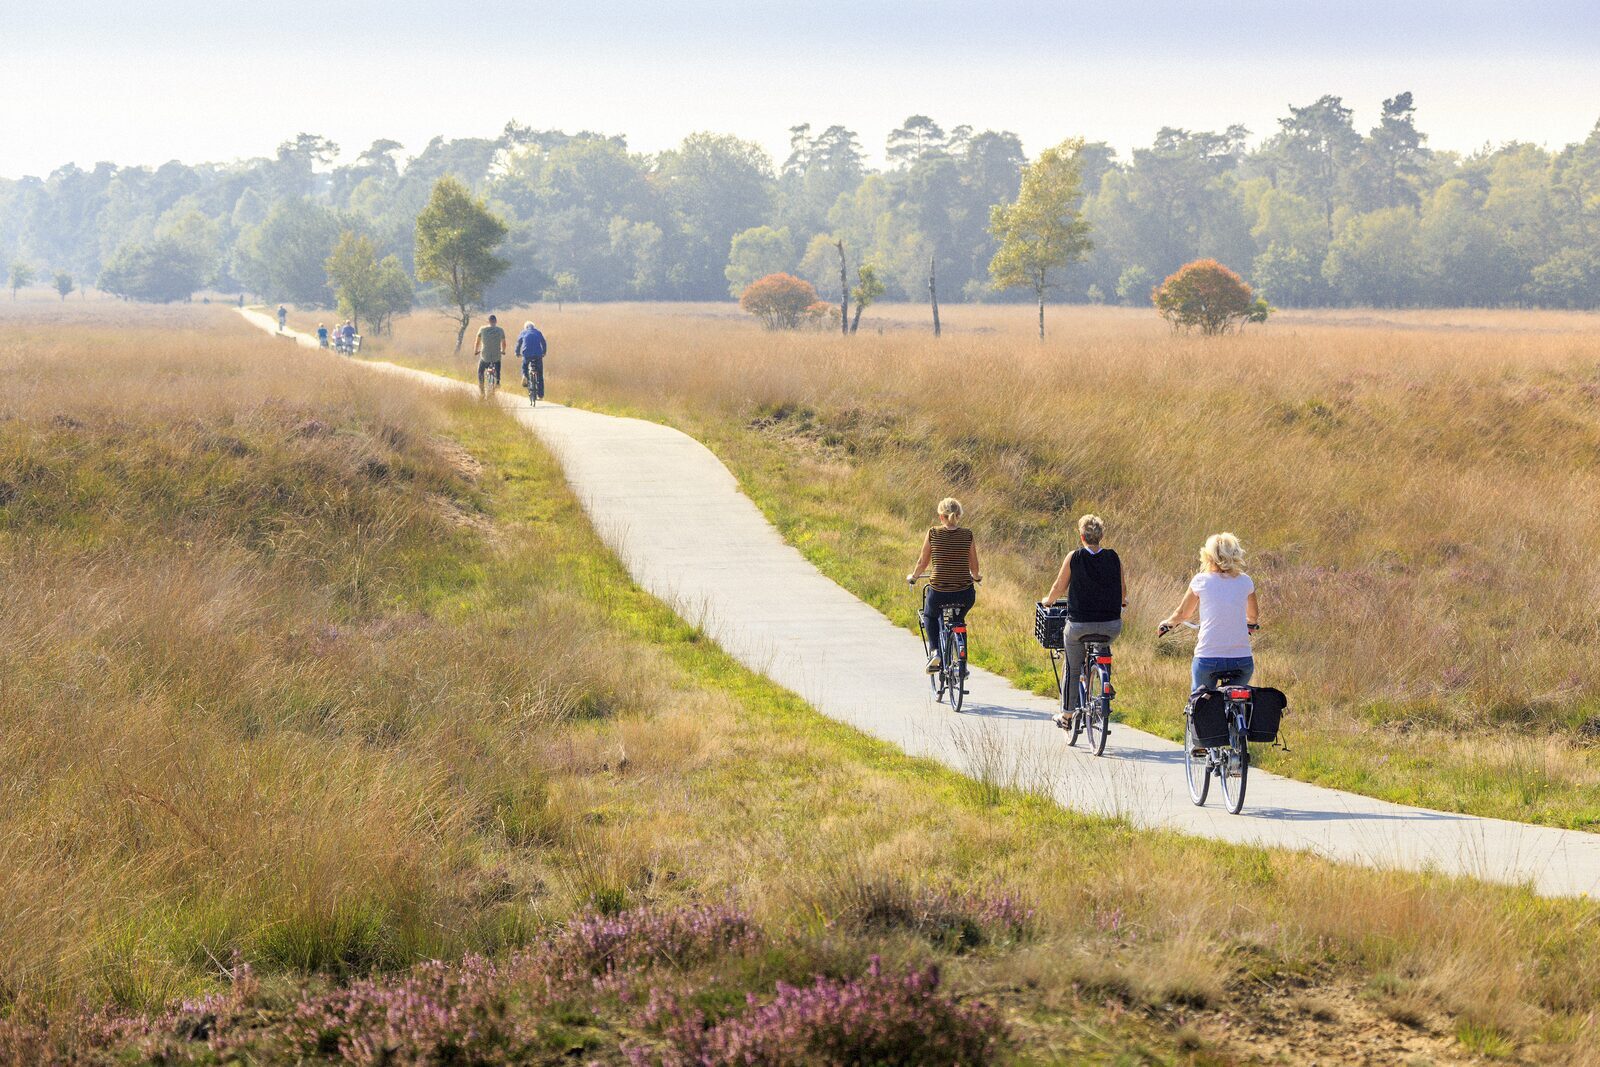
1091	579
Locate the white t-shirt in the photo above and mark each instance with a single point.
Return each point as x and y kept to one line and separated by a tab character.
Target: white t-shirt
1223	632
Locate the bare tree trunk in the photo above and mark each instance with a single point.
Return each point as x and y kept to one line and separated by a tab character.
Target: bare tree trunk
844	293
1041	314
461	333
933	295
855	322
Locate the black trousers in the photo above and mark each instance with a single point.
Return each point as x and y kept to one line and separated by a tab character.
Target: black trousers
933	600
484	365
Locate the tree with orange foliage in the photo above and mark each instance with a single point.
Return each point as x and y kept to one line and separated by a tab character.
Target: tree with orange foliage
1208	296
780	301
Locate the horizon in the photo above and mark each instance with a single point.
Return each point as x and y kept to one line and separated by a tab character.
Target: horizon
197	88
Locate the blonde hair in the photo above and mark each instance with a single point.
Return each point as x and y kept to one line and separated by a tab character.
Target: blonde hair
950	507
1223	553
1091	528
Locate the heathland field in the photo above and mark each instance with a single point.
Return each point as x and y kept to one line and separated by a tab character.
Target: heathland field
1417	491
313	677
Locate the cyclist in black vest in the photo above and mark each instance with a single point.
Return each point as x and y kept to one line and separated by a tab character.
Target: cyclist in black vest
1091	579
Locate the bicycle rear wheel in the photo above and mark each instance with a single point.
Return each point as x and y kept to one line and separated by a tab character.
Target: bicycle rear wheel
1236	771
1197	768
1097	711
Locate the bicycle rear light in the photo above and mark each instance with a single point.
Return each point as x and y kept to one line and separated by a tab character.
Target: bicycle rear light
1238	694
1104	661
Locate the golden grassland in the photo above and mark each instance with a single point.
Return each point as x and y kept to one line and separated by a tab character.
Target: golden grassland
311	666
1417	490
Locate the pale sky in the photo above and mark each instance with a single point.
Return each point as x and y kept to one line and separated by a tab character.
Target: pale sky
86	80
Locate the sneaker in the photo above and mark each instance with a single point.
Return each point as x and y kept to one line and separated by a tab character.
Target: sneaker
934	665
1062	719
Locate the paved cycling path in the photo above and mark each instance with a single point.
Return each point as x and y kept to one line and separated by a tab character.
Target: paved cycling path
676	518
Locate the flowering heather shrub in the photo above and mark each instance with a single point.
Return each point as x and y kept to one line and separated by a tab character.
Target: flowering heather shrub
873	1019
439	1013
955	921
602	945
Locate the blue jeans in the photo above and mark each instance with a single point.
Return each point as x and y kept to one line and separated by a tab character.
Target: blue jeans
933	600
1206	669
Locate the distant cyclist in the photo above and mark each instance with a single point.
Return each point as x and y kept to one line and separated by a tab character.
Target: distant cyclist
283	317
531	347
949	547
322	335
348	332
1225	598
489	348
1091	579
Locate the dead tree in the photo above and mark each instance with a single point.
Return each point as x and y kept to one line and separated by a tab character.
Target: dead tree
844	292
933	295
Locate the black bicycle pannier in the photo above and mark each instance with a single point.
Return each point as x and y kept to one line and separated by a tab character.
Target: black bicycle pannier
1049	621
1266	713
1209	712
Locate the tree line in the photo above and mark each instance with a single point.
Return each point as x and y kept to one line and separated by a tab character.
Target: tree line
1313	212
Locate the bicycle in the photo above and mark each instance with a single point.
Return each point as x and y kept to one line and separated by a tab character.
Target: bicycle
1218	725
531	380
491	382
1088	712
951	678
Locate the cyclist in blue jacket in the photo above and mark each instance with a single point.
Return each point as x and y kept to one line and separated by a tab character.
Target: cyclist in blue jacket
531	347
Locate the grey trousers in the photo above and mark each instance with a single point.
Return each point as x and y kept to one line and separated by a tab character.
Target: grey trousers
1070	636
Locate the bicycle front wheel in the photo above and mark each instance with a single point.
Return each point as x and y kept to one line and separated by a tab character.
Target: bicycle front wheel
1097	710
958	684
1197	768
1236	770
1074	685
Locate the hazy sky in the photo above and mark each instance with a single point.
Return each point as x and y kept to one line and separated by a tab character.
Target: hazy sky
85	80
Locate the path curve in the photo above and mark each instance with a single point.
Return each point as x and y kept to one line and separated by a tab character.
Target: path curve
675	517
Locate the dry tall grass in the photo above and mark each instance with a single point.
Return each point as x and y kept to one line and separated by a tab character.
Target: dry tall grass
238	714
1418	492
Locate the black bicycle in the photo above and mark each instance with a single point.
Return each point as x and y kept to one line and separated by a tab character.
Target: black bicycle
491	382
531	380
1219	724
950	680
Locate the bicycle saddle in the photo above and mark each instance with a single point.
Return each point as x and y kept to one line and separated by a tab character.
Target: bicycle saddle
1226	677
1094	639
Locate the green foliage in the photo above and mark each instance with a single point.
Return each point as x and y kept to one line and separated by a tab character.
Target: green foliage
1133	285
63	283
456	238
636	226
21	277
159	271
563	287
756	253
368	290
285	257
1043	231
865	292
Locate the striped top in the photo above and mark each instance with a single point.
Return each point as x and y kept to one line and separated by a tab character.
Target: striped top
952	558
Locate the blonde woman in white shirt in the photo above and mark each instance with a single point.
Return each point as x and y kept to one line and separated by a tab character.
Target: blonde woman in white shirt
1224	597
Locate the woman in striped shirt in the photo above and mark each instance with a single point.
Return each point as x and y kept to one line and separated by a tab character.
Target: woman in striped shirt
949	547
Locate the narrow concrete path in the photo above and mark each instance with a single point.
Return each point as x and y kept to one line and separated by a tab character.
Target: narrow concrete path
676	518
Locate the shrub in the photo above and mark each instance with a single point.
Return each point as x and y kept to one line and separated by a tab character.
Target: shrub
871	1019
780	301
1207	296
